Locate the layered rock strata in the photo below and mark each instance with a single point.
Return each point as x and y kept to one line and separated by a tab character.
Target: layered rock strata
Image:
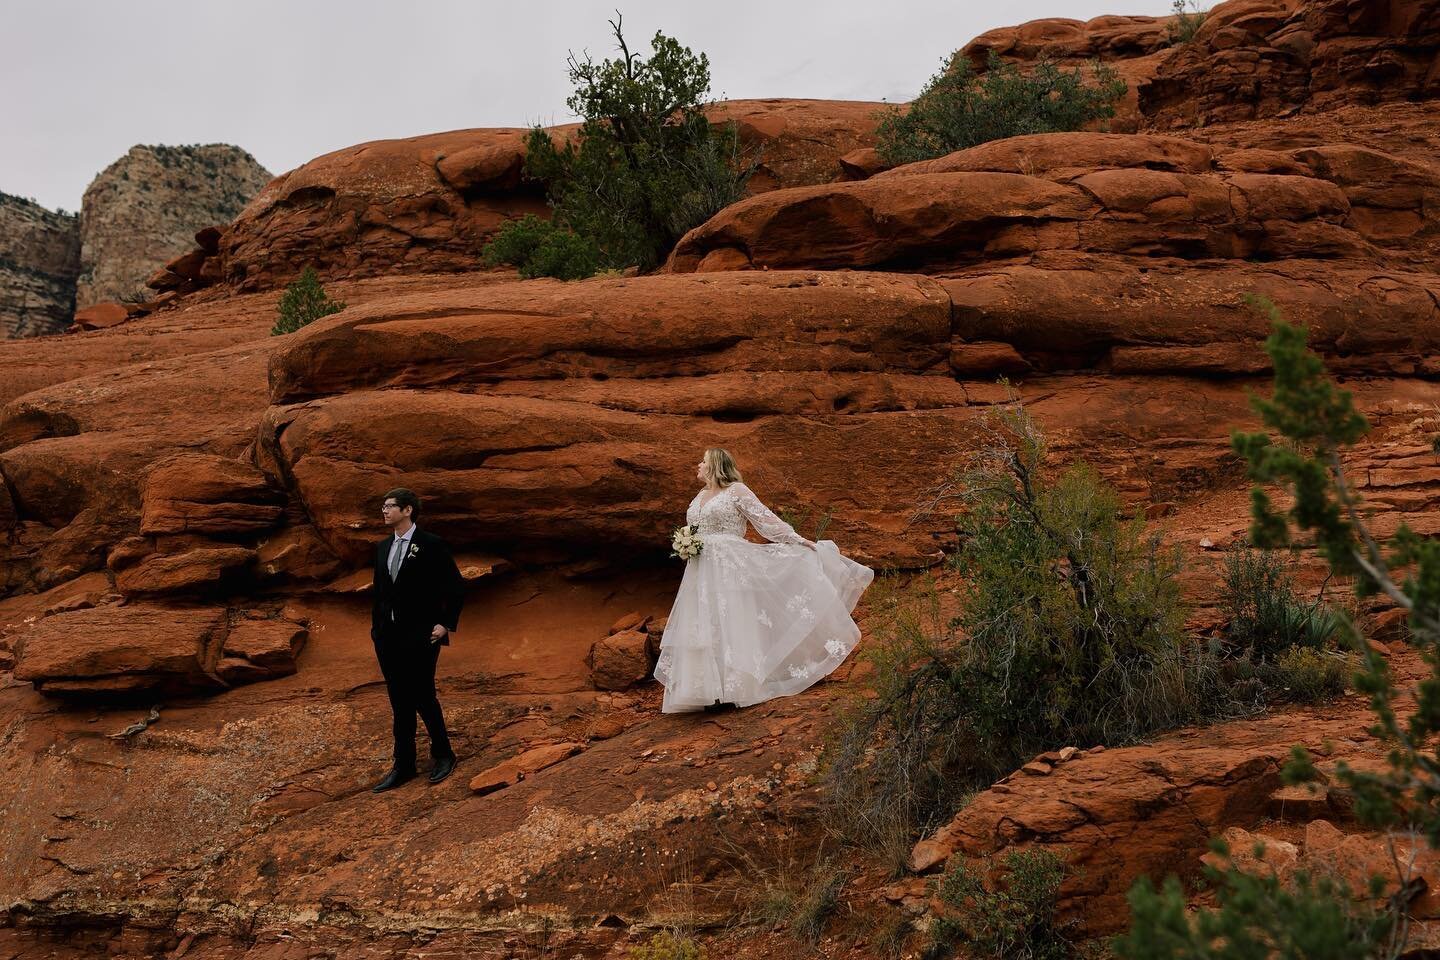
39	261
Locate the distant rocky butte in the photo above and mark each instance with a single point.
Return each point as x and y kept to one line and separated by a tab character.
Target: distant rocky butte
39	260
145	207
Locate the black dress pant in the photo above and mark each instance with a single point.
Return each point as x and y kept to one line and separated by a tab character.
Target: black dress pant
408	665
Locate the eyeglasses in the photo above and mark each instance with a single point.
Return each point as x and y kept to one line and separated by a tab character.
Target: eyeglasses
389	506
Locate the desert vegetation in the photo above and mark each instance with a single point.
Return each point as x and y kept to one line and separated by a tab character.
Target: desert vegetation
1313	422
645	166
958	108
303	302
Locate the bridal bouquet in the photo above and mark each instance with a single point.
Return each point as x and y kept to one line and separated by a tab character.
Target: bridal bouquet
686	543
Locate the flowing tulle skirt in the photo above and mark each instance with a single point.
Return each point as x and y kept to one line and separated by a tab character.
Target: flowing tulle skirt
753	621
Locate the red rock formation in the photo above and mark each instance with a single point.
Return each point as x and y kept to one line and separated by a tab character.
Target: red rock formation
1132	46
110	651
429	203
188	491
1255	58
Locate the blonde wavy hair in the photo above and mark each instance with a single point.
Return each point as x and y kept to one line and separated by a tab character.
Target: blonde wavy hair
721	467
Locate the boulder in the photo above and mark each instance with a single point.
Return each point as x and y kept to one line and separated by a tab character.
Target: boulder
621	660
102	315
578	391
261	650
206	494
1272	58
123	650
201	569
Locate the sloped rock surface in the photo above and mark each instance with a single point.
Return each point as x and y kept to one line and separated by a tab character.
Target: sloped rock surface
1123	813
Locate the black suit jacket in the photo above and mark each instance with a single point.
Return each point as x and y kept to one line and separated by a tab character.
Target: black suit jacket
428	590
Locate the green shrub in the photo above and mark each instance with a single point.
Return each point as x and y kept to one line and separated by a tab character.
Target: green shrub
1265	615
1188	18
1308	675
1069	632
668	946
1305	918
302	303
956	109
539	248
646	165
1014	921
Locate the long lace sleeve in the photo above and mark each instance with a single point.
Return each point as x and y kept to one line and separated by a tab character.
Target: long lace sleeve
768	525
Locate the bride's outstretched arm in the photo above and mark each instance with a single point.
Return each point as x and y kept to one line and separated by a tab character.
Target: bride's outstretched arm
768	525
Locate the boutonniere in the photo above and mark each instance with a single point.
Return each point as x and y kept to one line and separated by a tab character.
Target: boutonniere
414	550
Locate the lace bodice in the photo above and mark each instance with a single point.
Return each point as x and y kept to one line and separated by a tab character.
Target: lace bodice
728	511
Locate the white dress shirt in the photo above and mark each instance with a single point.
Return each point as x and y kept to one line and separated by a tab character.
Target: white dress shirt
401	543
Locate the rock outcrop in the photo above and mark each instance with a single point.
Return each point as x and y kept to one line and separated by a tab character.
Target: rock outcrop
149	650
1264	58
1132	46
428	204
39	261
144	209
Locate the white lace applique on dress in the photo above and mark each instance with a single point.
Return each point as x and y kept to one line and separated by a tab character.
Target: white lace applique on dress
753	621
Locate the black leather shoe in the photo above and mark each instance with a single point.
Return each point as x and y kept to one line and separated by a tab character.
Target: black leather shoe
441	770
393	779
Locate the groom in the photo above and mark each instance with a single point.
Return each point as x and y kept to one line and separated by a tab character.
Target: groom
417	592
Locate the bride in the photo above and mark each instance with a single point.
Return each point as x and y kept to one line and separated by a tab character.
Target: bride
753	621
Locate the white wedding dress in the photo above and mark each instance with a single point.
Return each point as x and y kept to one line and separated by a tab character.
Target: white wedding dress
753	621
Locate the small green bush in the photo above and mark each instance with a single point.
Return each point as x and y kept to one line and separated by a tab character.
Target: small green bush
668	946
1014	921
956	109
1305	918
302	303
1310	676
1265	615
539	248
1188	18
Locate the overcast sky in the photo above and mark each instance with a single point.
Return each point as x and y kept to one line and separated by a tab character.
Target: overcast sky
289	80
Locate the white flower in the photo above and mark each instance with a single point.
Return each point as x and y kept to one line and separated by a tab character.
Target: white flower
834	647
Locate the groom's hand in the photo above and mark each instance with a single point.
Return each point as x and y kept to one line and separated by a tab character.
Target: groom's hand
438	633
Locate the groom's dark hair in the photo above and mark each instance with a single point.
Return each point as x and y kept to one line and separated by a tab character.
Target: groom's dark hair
405	498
